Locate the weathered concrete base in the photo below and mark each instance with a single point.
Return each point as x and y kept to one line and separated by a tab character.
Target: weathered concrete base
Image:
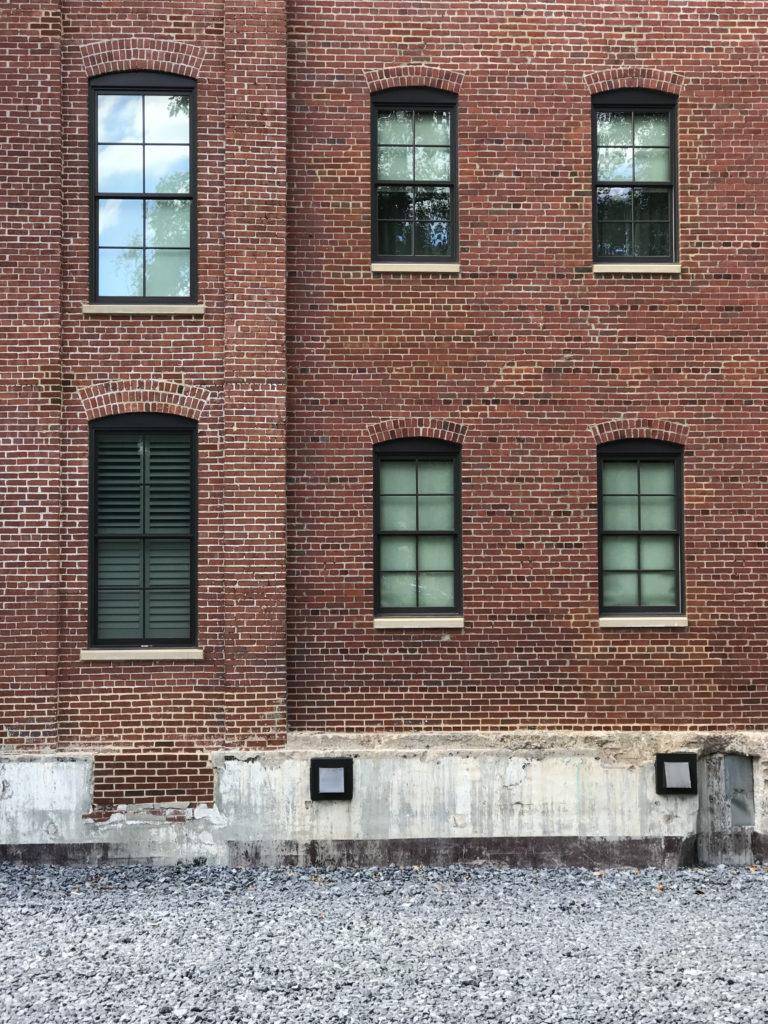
527	798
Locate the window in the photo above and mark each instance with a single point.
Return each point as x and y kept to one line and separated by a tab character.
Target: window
143	218
640	525
417	514
143	531
634	172
413	137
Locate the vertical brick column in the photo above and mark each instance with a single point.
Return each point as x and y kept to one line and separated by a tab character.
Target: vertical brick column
30	397
254	373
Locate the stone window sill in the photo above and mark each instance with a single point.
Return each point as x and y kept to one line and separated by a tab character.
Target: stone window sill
415	268
418	622
142	654
142	309
642	621
636	268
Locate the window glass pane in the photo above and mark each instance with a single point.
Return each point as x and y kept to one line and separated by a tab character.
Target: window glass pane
119	118
398	590
168	563
395	238
614	164
398	512
168	222
657	477
658	552
619	513
395	163
433	203
436	477
435	512
658	588
651	165
121	222
614	129
619	477
167	614
433	164
433	127
620	588
436	553
613	239
166	118
120	562
395	127
168	272
619	553
395	203
167	168
398	553
614	204
121	272
651	204
397	478
119	615
120	169
657	513
435	589
651	130
432	239
651	239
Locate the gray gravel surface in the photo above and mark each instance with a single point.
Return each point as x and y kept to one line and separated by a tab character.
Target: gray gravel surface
303	946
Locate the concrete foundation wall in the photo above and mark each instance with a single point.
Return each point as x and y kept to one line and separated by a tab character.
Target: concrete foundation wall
520	797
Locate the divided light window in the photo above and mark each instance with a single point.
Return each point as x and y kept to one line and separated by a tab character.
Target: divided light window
413	162
142	531
417	560
640	523
143	219
634	136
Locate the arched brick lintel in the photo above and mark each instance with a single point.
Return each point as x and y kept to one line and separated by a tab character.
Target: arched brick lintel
417	426
418	76
634	78
638	426
115	397
142	53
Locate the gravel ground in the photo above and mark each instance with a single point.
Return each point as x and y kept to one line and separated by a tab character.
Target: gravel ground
302	946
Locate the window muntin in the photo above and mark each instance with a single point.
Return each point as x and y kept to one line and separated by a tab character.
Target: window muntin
143	187
413	136
640	527
634	171
143	531
417	526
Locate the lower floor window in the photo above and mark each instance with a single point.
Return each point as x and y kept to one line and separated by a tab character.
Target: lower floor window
417	514
640	524
142	530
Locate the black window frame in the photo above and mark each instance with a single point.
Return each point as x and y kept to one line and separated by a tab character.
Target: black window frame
415	99
641	450
146	83
409	450
132	424
638	101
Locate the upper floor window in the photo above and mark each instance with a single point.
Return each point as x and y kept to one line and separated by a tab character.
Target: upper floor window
634	164
414	158
143	218
640	490
143	531
417	558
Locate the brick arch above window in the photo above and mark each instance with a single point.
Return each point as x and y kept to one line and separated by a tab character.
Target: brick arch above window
634	78
142	53
112	398
656	429
413	76
417	426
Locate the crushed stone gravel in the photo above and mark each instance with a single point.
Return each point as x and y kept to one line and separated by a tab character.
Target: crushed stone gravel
199	945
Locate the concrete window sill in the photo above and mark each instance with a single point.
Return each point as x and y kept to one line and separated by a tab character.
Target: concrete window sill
636	268
418	622
142	309
415	268
642	621
142	654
